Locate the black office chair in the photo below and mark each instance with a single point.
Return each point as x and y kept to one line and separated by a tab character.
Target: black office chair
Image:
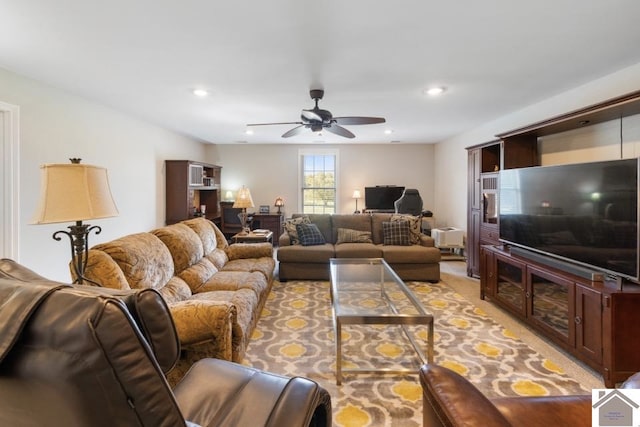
409	203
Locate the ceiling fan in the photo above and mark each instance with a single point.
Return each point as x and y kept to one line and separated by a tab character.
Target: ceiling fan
317	120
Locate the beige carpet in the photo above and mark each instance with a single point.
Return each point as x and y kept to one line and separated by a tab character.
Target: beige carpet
295	337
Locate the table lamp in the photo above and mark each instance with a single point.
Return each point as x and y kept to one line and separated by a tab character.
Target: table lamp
356	195
75	192
243	201
279	203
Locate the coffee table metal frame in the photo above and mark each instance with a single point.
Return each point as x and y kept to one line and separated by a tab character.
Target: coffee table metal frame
370	272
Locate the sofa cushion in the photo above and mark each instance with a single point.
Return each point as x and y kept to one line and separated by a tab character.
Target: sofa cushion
325	225
263	265
309	235
349	221
358	250
376	226
184	244
175	290
314	254
290	227
348	235
412	254
143	258
415	226
218	257
204	229
396	233
235	280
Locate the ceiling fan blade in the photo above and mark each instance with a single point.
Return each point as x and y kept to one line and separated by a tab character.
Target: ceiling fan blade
295	131
311	116
358	120
339	130
278	123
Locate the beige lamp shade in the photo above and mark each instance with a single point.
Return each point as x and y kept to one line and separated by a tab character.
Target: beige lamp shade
74	192
279	202
356	194
243	199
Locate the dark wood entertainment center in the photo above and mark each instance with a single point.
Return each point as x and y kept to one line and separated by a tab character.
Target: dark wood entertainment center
593	319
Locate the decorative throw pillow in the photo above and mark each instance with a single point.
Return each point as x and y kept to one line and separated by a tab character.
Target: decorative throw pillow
396	233
415	226
348	235
309	235
290	227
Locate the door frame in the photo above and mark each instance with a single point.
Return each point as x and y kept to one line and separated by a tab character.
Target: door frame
10	146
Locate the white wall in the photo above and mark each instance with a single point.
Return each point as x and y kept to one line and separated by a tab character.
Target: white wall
55	126
272	170
451	155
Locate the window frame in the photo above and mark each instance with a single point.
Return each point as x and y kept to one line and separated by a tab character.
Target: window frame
318	152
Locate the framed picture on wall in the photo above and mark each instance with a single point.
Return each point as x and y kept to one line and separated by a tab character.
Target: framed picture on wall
264	209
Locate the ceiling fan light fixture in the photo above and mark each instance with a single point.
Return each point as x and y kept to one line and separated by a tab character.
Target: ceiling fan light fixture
201	93
388	131
249	131
318	120
435	91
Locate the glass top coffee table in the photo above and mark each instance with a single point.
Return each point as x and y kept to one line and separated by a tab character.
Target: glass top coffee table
366	291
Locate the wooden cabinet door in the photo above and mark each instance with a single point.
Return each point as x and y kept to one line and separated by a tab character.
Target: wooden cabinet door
510	284
588	321
550	305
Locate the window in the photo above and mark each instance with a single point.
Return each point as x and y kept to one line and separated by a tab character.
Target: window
318	178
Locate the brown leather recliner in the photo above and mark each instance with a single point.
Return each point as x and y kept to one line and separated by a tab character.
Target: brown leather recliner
451	400
80	356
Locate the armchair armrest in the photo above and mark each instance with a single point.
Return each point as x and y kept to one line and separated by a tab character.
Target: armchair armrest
216	392
451	400
199	321
284	239
249	250
427	241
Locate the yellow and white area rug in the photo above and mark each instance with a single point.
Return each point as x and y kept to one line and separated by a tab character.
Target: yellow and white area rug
295	337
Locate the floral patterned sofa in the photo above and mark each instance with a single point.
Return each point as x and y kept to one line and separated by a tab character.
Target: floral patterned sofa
215	291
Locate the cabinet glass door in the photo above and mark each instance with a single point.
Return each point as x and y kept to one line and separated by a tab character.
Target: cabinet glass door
550	305
510	284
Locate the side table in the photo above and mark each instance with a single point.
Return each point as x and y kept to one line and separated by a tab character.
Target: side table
253	237
269	221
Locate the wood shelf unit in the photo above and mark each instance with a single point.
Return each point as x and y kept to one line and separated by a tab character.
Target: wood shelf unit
190	184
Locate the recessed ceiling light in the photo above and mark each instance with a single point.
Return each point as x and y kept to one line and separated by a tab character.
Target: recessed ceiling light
434	91
249	131
200	92
388	131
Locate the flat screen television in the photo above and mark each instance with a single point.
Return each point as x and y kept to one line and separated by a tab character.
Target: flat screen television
381	197
585	213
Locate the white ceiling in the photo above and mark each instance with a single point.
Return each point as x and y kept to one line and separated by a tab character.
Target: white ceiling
259	58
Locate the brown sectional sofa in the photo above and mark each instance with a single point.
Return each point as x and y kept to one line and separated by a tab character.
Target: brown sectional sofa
414	262
215	291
